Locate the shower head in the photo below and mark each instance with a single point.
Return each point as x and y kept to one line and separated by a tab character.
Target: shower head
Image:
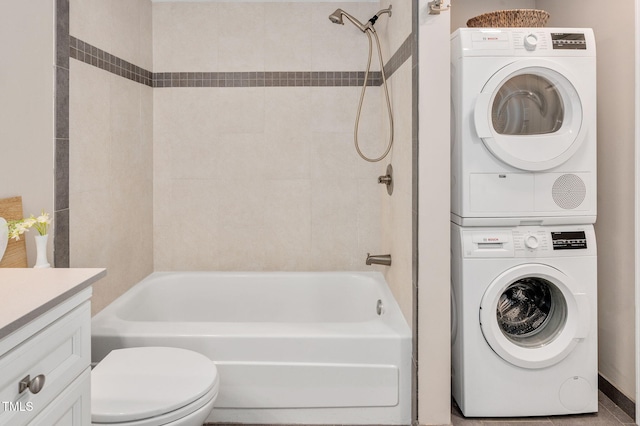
336	18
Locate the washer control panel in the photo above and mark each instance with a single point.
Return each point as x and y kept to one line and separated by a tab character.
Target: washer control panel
528	241
572	240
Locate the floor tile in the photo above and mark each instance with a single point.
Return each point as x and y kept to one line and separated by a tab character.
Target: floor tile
609	414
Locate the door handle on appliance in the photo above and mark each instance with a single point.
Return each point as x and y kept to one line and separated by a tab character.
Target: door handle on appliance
480	115
584	316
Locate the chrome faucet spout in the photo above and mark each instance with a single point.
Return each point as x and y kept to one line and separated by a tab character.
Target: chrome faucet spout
378	259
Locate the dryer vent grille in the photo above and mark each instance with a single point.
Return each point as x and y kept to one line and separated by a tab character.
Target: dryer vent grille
569	191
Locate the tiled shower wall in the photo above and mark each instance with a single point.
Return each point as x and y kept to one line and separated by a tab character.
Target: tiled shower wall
263	178
249	133
110	149
397	227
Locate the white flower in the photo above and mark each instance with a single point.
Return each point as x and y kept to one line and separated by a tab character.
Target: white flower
43	218
19	227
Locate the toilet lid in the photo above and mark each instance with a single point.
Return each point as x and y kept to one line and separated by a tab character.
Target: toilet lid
139	383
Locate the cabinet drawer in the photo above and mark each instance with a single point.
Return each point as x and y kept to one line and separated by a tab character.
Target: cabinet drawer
60	352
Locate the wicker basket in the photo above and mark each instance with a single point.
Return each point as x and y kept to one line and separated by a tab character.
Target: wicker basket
510	18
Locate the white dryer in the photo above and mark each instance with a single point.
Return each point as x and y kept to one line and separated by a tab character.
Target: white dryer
525	331
523	126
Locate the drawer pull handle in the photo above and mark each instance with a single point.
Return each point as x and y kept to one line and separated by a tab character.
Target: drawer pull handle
34	385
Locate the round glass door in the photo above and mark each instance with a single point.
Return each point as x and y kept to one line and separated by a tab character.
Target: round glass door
529	115
531	312
527	104
533	315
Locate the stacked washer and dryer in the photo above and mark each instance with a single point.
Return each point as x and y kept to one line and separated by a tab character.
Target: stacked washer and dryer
523	204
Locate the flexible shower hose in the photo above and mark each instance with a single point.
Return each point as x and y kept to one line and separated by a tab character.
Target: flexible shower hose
368	31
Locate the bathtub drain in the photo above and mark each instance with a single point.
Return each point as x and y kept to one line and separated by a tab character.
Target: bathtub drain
379	307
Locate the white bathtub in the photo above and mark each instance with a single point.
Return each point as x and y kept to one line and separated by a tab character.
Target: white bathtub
290	348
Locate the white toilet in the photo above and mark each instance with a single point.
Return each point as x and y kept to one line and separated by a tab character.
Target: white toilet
152	386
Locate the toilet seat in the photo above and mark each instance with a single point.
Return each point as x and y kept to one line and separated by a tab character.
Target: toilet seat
151	385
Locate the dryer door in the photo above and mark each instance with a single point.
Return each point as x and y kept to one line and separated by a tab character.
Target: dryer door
533	315
530	115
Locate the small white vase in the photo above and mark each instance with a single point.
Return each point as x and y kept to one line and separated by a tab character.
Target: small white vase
41	250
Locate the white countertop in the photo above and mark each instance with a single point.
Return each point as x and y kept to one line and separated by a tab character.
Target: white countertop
26	293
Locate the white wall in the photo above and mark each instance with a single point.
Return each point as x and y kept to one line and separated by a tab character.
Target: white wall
434	338
26	108
463	10
614	32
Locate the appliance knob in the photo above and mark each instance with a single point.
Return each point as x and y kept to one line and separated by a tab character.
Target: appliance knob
531	241
530	42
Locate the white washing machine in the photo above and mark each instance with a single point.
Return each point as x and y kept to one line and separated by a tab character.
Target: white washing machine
524	339
523	126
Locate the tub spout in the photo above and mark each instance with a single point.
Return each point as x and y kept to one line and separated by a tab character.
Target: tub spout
378	259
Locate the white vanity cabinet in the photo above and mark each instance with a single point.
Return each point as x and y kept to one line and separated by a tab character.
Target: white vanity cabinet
45	346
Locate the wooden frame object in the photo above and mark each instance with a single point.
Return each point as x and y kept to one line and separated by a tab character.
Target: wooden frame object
16	254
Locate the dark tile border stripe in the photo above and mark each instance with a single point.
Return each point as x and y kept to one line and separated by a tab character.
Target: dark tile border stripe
410	47
404	52
99	58
61	137
264	79
620	399
92	55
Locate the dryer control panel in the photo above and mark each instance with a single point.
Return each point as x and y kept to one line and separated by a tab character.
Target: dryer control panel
528	241
527	42
569	41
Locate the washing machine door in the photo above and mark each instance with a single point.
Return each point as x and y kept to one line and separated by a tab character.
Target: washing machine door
533	315
530	115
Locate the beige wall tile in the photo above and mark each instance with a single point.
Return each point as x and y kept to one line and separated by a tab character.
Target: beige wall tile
240	156
242	37
240	110
287	37
89	128
334	224
111	148
333	154
90	21
287	225
369	193
124	21
145	33
120	27
186	37
395	28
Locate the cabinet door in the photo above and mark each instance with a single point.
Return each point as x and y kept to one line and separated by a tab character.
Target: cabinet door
59	352
71	408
